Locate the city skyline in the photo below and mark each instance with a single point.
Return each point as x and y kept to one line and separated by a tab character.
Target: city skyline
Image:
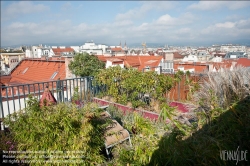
110	22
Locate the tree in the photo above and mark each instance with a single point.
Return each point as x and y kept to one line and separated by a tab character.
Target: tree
85	65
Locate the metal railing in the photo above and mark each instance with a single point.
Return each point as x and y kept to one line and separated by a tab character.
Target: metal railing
13	98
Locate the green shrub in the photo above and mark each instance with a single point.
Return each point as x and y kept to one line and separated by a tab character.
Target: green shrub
61	128
129	85
217	129
203	145
145	135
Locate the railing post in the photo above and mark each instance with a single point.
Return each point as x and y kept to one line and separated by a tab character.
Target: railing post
91	89
81	88
59	90
1	110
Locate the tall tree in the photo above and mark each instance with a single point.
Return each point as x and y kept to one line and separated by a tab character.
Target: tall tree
85	65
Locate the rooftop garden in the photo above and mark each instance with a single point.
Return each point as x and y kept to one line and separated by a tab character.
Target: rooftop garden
145	90
221	123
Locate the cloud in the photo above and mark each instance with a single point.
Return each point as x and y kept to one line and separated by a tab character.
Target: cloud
66	6
184	27
65	30
243	24
132	14
123	23
228	30
144	9
225	25
23	7
215	5
167	20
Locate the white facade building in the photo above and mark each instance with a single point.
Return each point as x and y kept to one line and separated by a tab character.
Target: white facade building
181	68
92	48
190	57
233	48
39	51
217	59
76	48
167	66
36	52
111	62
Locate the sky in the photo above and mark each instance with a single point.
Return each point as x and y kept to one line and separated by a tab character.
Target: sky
199	23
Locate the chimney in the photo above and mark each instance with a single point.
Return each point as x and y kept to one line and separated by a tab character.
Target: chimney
68	59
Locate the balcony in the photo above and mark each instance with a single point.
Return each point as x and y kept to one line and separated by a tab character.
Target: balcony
13	98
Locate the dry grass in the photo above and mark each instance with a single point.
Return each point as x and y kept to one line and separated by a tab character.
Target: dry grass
224	88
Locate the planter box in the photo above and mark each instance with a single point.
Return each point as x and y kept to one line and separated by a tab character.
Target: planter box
183	108
180	106
126	109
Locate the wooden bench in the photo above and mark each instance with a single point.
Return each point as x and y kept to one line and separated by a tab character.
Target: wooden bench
115	133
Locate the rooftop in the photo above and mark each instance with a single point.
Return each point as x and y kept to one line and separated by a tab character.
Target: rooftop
135	61
245	62
29	71
60	51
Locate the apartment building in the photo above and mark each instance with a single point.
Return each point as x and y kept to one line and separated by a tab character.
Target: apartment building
10	60
92	48
39	51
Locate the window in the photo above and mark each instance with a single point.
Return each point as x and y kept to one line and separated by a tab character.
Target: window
54	75
147	68
25	70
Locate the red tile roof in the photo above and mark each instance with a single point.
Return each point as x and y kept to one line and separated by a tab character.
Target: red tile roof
220	65
59	51
116	49
244	62
102	58
4	80
177	55
136	61
115	60
151	61
198	67
29	71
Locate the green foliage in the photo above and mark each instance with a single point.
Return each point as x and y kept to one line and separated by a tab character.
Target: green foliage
200	144
145	137
66	128
85	65
129	85
59	128
226	130
178	75
76	95
6	142
192	86
33	104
